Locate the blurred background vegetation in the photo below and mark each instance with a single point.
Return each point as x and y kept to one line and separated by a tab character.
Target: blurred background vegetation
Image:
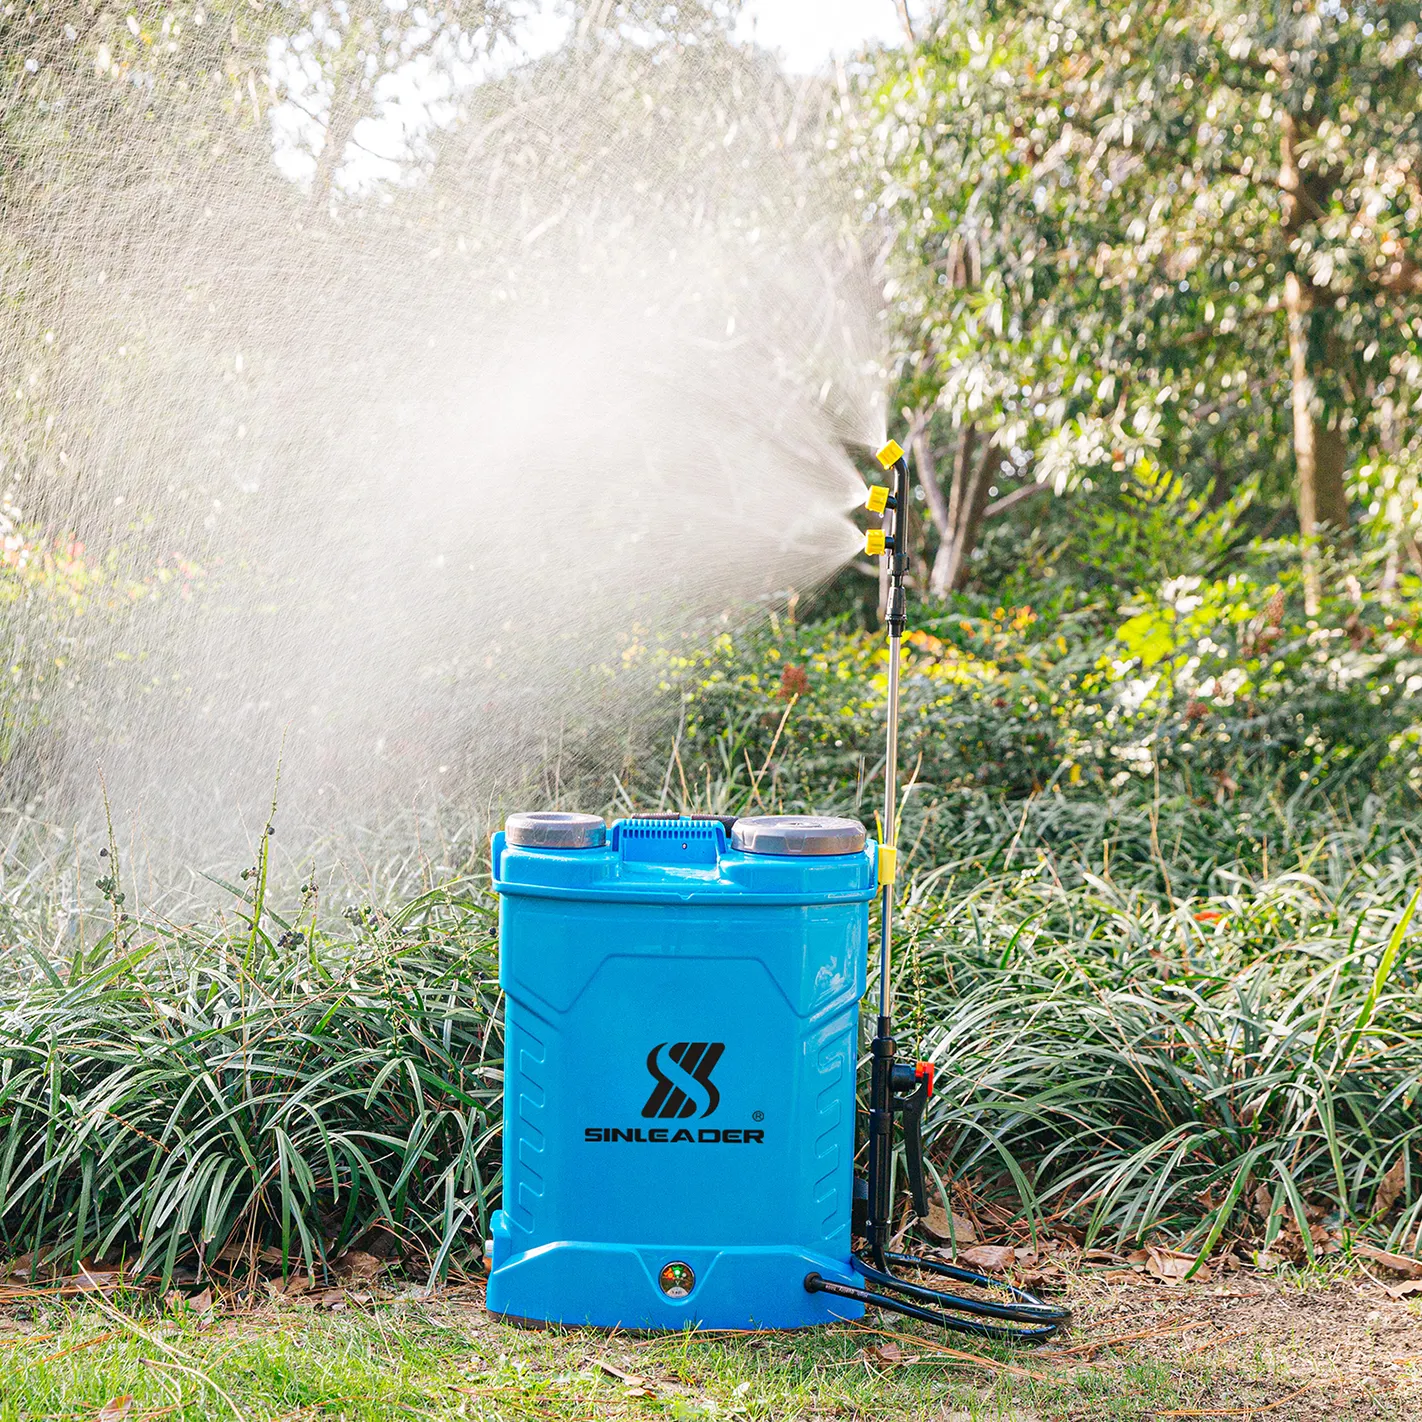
1154	313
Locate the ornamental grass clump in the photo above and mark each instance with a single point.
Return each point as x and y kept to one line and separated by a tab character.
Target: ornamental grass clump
1162	1039
198	1098
1237	1068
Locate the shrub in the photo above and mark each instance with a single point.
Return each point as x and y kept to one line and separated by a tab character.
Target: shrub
1238	1064
213	1094
1211	710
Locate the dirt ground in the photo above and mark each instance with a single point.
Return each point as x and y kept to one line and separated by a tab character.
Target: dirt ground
1301	1349
1298	1347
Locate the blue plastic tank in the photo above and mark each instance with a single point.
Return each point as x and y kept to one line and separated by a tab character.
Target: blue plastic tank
679	1094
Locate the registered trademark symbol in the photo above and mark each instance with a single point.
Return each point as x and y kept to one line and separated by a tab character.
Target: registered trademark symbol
757	1115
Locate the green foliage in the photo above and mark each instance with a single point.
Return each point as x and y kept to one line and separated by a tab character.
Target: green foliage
71	610
1136	1033
1162	999
1192	1008
1099	208
1215	694
1153	527
179	1095
1133	1065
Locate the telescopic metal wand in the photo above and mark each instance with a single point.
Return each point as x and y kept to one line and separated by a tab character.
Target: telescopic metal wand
889	541
902	1089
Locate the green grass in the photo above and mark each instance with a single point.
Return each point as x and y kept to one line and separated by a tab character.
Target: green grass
1239	1068
1199	1069
1181	1007
445	1361
178	1093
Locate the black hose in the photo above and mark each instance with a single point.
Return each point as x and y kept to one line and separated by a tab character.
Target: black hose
1028	1309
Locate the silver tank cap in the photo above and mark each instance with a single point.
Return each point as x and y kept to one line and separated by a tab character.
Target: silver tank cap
555	829
797	834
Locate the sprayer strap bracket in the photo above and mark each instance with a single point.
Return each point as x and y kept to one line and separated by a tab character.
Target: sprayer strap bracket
888	863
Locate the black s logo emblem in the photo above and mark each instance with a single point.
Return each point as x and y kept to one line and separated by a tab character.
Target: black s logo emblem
682	1072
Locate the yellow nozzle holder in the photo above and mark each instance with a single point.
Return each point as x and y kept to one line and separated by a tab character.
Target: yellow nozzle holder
889	455
874	542
888	864
878	499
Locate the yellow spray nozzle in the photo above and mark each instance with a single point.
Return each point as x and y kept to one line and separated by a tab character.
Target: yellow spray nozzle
874	542
890	455
878	498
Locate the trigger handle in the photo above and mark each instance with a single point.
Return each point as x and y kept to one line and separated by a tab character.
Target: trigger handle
918	1080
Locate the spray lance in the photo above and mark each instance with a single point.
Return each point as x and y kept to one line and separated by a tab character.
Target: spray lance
901	1090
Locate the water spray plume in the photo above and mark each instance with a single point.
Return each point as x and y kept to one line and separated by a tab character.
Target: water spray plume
403	475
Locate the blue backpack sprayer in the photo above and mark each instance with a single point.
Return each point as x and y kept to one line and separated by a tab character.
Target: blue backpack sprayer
681	1046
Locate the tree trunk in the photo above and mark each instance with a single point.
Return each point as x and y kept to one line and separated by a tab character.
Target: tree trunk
1305	446
958	517
950	558
928	479
346	111
975	500
1331	496
1319	452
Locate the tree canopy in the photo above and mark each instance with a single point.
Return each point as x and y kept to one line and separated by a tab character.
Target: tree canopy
1186	231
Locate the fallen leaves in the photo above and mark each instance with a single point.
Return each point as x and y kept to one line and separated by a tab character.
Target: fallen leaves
1028	1268
355	1265
1170	1266
91	1279
1402	1291
947	1228
1398	1263
303	1290
116	1409
246	1252
1101	1256
1390	1187
633	1384
1409	1268
202	1304
20	1269
889	1354
22	1280
28	1280
994	1257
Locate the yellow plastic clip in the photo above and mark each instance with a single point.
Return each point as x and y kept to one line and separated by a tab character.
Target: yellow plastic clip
874	542
888	863
890	455
878	499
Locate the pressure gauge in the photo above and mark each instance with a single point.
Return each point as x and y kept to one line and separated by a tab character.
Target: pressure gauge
676	1279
